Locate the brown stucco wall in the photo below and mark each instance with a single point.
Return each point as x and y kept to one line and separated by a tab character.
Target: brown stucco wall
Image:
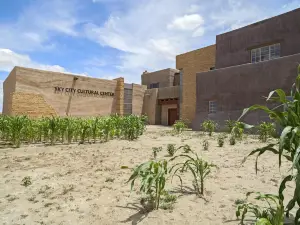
164	113
200	60
9	87
233	48
138	92
168	92
165	77
150	107
238	87
42	83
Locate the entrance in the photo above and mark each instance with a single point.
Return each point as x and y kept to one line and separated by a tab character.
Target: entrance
172	116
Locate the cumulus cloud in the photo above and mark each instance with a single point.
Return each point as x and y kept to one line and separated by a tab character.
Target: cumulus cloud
37	23
186	22
9	59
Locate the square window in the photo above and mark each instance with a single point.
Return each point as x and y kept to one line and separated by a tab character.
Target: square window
212	106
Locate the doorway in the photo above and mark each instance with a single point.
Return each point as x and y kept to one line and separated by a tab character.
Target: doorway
172	116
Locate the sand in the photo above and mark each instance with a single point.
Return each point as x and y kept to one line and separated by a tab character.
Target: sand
70	183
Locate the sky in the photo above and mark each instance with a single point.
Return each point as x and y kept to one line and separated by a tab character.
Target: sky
117	38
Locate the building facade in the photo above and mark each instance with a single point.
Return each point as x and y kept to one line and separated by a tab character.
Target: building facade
39	93
161	99
250	62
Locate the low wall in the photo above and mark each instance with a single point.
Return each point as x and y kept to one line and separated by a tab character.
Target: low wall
238	87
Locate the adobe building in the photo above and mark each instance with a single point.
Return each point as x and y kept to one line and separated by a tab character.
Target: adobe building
161	99
39	93
249	63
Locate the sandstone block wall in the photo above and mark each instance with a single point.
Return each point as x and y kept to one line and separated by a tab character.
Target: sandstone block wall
200	60
138	92
33	105
69	100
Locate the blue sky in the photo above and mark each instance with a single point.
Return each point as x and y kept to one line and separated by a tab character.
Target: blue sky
113	38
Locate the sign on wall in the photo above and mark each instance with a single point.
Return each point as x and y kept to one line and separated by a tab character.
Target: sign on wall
83	92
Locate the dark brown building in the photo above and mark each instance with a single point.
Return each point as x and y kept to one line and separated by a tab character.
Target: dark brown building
250	62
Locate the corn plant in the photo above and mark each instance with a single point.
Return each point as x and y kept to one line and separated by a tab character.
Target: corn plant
238	130
209	126
265	131
171	149
179	126
230	124
155	150
153	179
289	141
186	148
270	214
205	145
232	140
221	140
199	168
16	126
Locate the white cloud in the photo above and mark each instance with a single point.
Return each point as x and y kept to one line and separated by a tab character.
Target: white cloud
186	22
9	59
37	24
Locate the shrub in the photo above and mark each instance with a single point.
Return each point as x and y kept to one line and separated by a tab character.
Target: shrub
221	140
289	141
205	145
209	126
199	168
26	181
153	179
179	126
265	131
171	149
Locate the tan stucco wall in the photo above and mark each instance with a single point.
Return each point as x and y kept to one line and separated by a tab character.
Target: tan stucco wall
164	113
200	60
43	82
150	105
165	77
9	86
138	92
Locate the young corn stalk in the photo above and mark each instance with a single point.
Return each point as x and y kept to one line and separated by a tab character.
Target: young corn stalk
199	168
179	127
265	131
209	126
289	141
16	126
270	214
153	179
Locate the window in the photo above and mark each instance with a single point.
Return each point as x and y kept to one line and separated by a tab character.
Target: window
153	85
212	106
265	53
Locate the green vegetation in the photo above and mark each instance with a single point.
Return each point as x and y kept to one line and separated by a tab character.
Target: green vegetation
209	126
155	150
205	145
179	126
199	168
22	129
153	179
265	131
232	140
171	149
289	141
270	214
221	140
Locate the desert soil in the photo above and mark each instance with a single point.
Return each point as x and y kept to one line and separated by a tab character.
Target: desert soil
70	183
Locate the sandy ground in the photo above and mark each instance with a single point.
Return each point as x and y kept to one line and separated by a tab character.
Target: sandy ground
70	186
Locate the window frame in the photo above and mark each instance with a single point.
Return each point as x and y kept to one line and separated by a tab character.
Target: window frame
212	106
273	52
156	85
